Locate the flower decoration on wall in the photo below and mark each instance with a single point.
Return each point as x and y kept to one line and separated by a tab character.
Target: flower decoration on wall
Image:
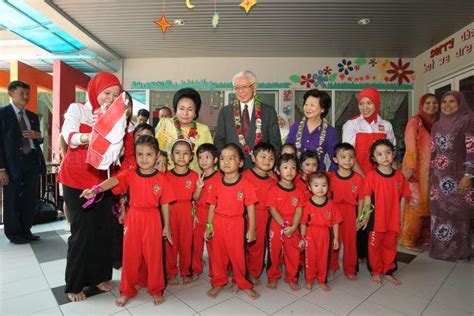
357	67
307	80
345	66
327	71
320	79
400	71
383	64
372	62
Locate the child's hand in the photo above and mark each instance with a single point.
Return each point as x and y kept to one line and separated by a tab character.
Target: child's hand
88	194
167	234
250	235
301	244
363	224
121	218
289	231
207	234
200	181
335	244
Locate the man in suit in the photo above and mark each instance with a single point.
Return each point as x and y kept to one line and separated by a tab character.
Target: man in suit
21	163
227	131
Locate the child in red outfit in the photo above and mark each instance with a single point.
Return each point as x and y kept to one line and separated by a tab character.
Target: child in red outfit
285	202
225	224
309	164
263	157
162	162
207	155
319	215
385	188
143	228
347	193
187	186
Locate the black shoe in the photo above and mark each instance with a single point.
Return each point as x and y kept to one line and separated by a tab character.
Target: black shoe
32	237
19	240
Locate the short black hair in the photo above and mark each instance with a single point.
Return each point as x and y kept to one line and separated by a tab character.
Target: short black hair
188	93
179	141
148	141
324	100
309	155
162	153
285	158
318	175
235	147
263	147
288	145
343	146
379	142
144	126
210	148
12	86
144	113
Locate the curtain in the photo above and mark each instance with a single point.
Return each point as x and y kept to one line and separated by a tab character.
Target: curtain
343	98
390	103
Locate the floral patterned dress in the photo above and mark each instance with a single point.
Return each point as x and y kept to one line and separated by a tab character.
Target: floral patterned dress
452	155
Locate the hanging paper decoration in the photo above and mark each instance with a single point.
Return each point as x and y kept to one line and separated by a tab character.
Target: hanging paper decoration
247	5
295	78
215	20
400	71
189	5
163	24
360	61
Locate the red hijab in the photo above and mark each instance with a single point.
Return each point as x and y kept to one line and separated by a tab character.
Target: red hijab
99	83
374	96
426	119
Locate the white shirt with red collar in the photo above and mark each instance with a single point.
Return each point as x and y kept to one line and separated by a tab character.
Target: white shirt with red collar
359	125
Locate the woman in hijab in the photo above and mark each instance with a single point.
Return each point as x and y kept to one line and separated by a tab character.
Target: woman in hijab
451	173
416	165
89	256
284	125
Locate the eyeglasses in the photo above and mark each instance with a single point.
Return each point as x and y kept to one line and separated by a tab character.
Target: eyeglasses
243	88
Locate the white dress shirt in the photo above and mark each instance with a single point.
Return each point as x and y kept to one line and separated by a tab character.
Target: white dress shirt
250	107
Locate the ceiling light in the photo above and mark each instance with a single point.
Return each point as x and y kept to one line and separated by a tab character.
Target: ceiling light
364	21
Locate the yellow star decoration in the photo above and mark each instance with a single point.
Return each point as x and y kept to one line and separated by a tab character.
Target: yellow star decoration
163	24
247	5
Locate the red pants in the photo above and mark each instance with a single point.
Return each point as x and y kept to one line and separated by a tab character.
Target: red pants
291	254
182	235
256	250
142	252
317	253
382	252
198	241
348	238
228	245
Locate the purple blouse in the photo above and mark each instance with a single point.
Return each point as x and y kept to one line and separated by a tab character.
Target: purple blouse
310	141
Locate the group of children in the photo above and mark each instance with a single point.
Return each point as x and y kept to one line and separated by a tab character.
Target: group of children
302	216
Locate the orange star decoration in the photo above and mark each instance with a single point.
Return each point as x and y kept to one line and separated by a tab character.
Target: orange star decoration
163	24
248	4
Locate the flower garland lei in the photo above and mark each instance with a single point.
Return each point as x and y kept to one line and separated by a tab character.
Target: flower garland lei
322	137
258	124
192	135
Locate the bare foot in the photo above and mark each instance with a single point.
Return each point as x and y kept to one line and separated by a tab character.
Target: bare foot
122	301
158	299
325	287
272	285
377	279
195	277
173	281
309	286
187	280
212	293
415	249
331	275
106	286
234	289
393	280
254	280
351	277
294	286
251	293
76	297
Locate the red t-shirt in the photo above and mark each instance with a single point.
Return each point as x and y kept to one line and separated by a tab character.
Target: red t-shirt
348	189
209	182
184	184
230	198
285	201
145	190
325	214
386	192
302	185
261	185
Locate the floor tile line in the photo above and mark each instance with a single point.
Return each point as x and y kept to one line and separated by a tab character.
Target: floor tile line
230	298
381	306
312	303
267	313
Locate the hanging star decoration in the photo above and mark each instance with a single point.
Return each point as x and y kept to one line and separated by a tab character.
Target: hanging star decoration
215	20
163	24
247	5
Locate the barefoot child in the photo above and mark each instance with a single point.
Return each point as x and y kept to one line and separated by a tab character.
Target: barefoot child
285	202
347	193
187	186
208	155
225	224
385	188
309	164
263	157
142	243
319	216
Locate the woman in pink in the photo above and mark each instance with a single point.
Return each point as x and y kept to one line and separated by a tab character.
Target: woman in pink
416	166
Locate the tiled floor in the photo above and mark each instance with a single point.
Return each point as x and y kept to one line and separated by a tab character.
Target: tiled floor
32	283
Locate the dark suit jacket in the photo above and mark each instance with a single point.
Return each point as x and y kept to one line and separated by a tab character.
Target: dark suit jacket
10	141
225	130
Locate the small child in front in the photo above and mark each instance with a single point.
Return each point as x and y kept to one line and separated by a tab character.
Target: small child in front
142	244
225	224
